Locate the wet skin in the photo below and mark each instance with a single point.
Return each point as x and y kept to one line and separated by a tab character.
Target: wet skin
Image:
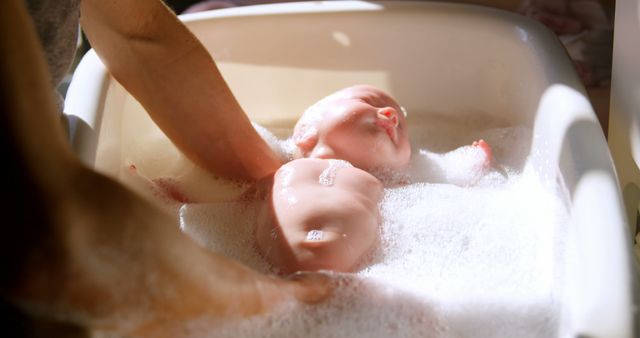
306	225
360	124
333	227
311	223
98	255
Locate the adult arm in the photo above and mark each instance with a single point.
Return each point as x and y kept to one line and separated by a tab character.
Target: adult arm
80	247
161	63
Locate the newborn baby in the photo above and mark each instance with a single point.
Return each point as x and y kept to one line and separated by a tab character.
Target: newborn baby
320	210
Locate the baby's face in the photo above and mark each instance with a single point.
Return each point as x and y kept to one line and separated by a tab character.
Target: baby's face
360	124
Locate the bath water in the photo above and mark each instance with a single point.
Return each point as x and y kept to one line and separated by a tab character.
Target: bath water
483	260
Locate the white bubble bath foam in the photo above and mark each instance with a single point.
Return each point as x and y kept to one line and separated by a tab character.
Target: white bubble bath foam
481	260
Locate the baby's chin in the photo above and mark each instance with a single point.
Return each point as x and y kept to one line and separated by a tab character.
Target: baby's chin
388	160
388	163
373	160
391	175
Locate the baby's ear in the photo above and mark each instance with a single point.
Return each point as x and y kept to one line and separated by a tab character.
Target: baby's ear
305	137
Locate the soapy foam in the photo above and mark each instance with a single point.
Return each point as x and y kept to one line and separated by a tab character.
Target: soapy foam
359	308
476	261
227	228
328	175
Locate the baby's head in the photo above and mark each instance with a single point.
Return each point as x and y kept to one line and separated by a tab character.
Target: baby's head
360	124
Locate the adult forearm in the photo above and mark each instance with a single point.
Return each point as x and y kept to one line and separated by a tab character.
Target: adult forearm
157	59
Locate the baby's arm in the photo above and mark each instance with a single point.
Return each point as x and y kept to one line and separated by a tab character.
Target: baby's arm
156	58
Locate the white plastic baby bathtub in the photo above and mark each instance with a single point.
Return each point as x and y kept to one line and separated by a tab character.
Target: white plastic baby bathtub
465	62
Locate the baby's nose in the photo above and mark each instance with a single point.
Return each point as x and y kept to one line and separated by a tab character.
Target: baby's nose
389	114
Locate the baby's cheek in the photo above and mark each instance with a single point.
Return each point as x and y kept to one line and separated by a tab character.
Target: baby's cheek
346	139
366	151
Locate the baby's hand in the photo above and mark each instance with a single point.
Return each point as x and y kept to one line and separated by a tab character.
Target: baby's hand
486	148
466	165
